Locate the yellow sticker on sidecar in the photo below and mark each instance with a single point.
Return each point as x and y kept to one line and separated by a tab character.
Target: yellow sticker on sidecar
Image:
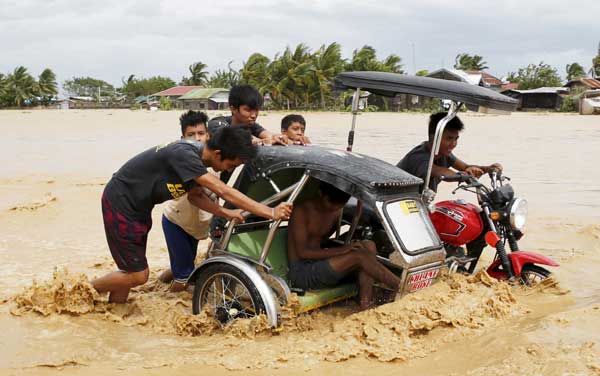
409	207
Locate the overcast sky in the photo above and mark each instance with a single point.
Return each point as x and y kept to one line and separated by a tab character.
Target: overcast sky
111	39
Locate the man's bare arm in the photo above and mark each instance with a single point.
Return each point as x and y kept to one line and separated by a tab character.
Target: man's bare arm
200	200
240	200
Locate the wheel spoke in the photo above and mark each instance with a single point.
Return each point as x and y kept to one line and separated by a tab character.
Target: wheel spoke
235	300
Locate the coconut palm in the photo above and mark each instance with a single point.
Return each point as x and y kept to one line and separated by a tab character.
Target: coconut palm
224	78
393	64
2	84
596	66
326	64
364	59
21	86
46	85
255	71
198	74
465	61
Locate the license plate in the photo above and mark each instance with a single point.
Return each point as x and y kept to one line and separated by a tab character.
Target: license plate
420	280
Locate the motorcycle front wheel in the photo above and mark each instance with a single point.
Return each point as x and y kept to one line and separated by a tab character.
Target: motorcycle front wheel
532	275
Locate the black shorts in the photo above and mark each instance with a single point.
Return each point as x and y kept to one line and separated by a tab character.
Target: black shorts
313	274
126	238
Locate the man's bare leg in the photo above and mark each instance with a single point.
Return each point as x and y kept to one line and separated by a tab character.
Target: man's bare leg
365	285
119	283
364	259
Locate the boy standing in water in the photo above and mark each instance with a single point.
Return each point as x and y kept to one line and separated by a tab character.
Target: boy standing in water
245	102
293	127
162	173
183	223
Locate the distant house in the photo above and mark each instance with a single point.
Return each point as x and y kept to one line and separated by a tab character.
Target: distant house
509	86
173	93
583	83
549	98
205	99
478	78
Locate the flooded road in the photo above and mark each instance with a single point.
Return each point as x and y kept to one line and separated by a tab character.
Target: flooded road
54	165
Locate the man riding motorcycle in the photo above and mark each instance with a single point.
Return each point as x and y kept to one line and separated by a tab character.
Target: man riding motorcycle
416	161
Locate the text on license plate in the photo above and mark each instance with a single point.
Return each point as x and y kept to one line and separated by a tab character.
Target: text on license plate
420	280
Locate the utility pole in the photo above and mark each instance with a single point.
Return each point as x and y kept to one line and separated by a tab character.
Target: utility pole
414	59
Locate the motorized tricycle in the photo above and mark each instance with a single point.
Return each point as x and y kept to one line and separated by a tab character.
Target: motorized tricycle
246	270
500	217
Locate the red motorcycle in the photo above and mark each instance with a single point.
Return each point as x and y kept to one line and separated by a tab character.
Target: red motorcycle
499	219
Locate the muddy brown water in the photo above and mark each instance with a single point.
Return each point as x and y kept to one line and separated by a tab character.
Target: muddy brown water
54	165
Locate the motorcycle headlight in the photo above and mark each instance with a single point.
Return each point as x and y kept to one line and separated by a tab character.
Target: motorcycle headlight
518	213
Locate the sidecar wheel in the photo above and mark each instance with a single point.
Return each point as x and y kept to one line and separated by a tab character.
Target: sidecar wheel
227	293
531	275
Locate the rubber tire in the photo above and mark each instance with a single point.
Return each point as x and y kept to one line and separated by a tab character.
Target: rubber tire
533	269
213	269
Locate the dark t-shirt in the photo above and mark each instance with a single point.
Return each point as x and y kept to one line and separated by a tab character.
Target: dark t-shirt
417	160
223	121
161	173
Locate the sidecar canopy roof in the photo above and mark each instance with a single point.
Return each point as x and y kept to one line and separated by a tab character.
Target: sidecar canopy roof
360	175
389	84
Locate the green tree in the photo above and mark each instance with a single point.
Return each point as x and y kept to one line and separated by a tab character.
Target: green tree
574	71
422	72
326	64
88	87
46	85
465	61
365	59
20	87
255	71
198	75
2	84
135	87
224	78
535	76
596	66
290	76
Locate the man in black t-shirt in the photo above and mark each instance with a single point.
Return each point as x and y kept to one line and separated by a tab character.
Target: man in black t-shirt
163	173
417	160
245	103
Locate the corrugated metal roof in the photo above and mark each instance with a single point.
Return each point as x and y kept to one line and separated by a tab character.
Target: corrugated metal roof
509	86
487	78
203	93
176	90
592	83
544	90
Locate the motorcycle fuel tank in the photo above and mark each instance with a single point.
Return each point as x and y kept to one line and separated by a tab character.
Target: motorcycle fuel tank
457	222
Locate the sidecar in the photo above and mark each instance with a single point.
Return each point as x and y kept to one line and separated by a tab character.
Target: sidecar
246	271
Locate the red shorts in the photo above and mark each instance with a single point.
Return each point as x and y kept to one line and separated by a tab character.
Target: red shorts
126	238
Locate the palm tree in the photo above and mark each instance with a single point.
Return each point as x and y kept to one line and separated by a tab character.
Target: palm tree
2	84
393	64
46	85
465	61
255	72
21	86
574	71
198	74
596	66
326	64
364	59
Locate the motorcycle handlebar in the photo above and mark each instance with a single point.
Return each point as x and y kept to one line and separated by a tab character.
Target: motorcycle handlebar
458	178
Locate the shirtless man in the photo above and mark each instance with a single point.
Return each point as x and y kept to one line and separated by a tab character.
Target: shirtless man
313	266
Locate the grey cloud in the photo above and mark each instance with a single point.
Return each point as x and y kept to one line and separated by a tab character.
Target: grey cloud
114	38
